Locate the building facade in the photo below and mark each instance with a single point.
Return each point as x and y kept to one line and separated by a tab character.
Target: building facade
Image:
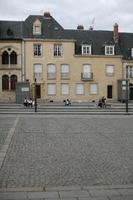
81	65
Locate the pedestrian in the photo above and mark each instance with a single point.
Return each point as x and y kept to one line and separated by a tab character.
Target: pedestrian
25	102
103	102
100	103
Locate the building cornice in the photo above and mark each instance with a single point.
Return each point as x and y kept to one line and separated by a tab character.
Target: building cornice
98	56
48	40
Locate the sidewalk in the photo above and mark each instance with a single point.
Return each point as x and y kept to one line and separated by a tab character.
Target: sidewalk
118	192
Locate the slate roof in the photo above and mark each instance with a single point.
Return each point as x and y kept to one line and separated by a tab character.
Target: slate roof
51	29
11	30
97	39
126	43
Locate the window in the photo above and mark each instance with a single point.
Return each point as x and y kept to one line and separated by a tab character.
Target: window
51	88
109	70
109	91
130	71
132	52
51	71
37	30
79	88
86	71
93	88
5	82
38	71
13	82
64	71
37	49
109	50
13	58
57	50
64	88
5	58
86	49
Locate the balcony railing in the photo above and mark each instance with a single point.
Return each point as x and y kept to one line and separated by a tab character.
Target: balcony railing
86	76
51	75
64	75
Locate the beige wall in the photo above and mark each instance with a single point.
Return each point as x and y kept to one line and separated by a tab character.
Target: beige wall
98	68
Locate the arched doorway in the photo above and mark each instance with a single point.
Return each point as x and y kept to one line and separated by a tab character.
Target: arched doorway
5	82
13	82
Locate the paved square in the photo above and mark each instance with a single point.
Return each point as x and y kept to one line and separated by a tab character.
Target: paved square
68	151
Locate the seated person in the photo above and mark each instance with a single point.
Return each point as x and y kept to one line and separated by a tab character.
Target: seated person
100	103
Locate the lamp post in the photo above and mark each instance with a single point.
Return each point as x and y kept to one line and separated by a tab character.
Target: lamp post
35	96
127	87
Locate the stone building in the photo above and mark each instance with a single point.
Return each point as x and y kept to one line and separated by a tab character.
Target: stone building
79	64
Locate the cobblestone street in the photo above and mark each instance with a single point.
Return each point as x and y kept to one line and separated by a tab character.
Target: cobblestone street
67	151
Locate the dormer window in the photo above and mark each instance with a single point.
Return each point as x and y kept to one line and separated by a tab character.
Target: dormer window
37	30
37	27
109	50
86	49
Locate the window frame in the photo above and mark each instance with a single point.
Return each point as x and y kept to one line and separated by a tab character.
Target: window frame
34	29
34	46
90	92
83	88
108	50
54	73
61	88
57	50
110	74
85	46
48	89
38	77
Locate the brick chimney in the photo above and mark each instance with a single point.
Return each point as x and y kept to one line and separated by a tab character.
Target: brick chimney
47	15
80	27
116	36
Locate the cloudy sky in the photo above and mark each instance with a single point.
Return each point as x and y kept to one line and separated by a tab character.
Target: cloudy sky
70	13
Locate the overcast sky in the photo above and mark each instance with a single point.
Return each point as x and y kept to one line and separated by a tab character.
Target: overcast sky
70	13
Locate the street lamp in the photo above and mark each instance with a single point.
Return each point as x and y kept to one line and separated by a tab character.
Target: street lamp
35	96
127	88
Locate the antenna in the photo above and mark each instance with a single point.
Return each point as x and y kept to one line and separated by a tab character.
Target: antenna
92	24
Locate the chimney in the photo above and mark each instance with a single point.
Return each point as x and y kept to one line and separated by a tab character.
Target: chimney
116	36
47	15
80	27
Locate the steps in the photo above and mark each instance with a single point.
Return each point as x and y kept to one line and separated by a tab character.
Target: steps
61	109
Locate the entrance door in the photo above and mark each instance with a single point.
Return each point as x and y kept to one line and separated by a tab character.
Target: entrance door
131	91
38	91
109	91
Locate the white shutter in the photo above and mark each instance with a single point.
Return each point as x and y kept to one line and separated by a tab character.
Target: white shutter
110	69
38	71
93	88
52	88
64	69
86	71
51	68
64	88
79	88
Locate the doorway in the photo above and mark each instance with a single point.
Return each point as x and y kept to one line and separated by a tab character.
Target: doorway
38	91
109	91
131	91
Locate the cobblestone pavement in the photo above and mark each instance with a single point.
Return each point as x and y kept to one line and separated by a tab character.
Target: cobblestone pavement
68	151
5	125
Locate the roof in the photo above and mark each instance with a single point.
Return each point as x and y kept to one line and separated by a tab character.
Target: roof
11	30
97	39
51	29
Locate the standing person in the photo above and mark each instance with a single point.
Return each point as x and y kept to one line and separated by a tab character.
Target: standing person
25	102
103	102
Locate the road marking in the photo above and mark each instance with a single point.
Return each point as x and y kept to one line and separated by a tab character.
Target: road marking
8	139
